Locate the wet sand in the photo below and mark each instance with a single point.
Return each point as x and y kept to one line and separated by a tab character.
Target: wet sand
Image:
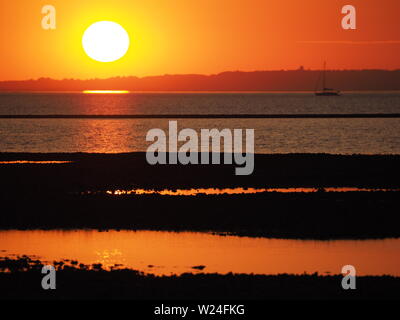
54	195
129	170
49	196
95	283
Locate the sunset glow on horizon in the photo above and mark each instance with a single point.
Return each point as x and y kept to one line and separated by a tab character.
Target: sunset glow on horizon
105	91
198	38
183	154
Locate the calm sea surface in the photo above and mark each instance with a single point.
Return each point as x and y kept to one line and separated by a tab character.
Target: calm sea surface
341	136
175	253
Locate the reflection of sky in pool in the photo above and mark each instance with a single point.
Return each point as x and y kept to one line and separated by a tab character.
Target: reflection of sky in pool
170	252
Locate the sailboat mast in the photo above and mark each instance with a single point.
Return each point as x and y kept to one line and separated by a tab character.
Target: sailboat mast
325	91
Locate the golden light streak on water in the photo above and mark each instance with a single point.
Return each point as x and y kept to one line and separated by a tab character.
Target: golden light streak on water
225	191
165	253
33	162
105	91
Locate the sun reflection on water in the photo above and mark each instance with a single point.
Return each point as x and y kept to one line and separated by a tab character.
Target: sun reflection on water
233	191
33	162
165	253
105	91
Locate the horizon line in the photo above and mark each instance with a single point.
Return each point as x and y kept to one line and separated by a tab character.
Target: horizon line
205	116
300	68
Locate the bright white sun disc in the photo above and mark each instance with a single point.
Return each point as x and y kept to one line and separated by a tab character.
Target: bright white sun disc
105	41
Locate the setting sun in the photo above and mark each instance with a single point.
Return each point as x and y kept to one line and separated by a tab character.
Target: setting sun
199	158
105	41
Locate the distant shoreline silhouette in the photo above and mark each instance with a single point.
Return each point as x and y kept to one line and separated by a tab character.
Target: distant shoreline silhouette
204	116
283	80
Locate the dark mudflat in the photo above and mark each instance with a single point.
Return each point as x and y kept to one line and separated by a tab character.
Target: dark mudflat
49	196
78	282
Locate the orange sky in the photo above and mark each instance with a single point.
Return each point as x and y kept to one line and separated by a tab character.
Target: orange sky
191	36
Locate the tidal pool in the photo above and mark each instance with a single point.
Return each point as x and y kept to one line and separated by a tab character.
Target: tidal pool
165	253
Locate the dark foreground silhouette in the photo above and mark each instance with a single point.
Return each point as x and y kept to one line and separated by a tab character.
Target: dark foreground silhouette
307	216
131	170
78	281
50	196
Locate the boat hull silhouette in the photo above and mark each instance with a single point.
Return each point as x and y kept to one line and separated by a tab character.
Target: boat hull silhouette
327	93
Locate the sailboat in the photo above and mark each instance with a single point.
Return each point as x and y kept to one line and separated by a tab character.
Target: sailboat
326	91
